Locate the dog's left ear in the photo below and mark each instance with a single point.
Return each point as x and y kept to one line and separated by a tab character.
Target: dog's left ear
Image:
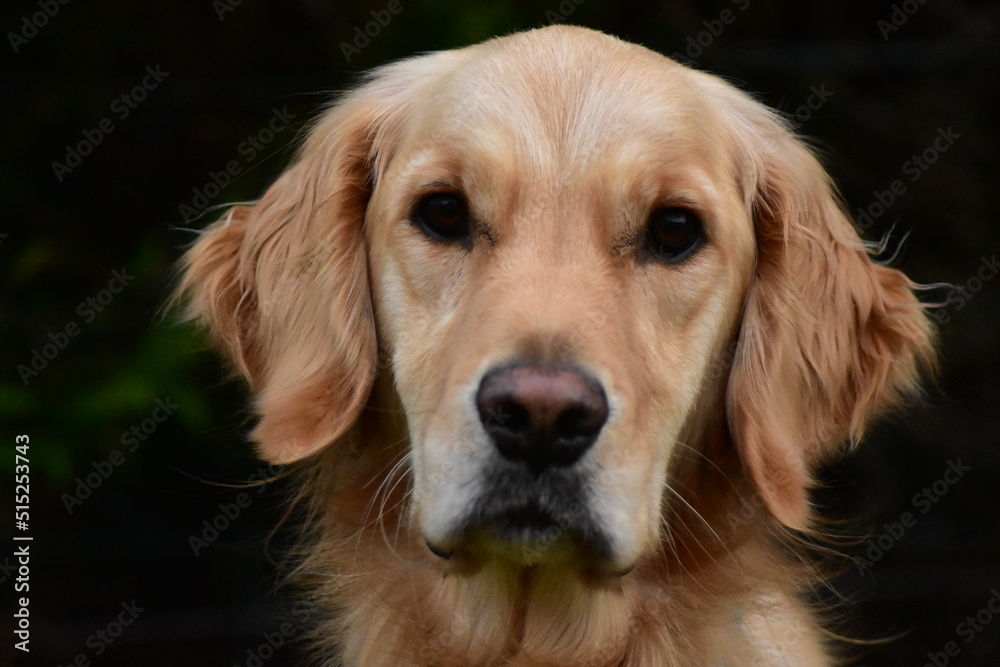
829	339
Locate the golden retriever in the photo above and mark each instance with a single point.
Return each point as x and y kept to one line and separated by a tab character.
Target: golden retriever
556	330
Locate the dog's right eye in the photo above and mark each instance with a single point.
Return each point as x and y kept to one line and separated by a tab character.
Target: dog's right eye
443	216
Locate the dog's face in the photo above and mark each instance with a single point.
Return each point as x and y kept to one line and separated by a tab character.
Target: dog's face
556	264
580	258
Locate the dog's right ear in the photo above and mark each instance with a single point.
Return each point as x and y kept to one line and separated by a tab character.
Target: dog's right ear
282	285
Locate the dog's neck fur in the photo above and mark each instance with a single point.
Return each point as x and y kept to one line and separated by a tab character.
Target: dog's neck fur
699	597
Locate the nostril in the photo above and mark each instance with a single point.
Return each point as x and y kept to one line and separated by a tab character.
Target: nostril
541	415
580	421
507	416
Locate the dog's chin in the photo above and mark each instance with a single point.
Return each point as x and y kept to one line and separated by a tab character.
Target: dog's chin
523	520
528	537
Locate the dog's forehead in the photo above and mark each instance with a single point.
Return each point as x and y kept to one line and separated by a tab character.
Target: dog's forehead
565	93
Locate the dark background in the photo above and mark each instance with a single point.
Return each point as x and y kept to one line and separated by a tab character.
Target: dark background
886	94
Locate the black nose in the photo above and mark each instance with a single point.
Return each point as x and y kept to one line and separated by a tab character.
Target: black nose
541	415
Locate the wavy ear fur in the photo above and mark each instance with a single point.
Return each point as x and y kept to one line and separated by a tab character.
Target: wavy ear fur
282	285
829	339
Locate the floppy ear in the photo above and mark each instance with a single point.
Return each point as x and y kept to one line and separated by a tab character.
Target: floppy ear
829	339
282	286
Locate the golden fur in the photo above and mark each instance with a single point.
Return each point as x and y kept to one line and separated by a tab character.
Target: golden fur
730	376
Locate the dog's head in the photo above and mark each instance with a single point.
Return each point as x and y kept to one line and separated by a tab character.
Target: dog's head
580	258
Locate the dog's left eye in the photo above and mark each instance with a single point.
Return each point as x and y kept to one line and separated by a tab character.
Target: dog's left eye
673	234
444	216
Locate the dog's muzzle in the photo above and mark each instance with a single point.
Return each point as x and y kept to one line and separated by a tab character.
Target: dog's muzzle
541	420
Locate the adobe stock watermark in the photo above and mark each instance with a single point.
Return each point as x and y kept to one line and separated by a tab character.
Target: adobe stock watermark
960	295
695	45
59	340
32	23
363	36
251	148
7	569
818	96
102	638
913	168
299	620
967	631
130	440
121	108
438	647
573	516
879	545
898	17
213	527
223	7
562	13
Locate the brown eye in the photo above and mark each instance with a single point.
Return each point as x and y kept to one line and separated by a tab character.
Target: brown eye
673	234
443	216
